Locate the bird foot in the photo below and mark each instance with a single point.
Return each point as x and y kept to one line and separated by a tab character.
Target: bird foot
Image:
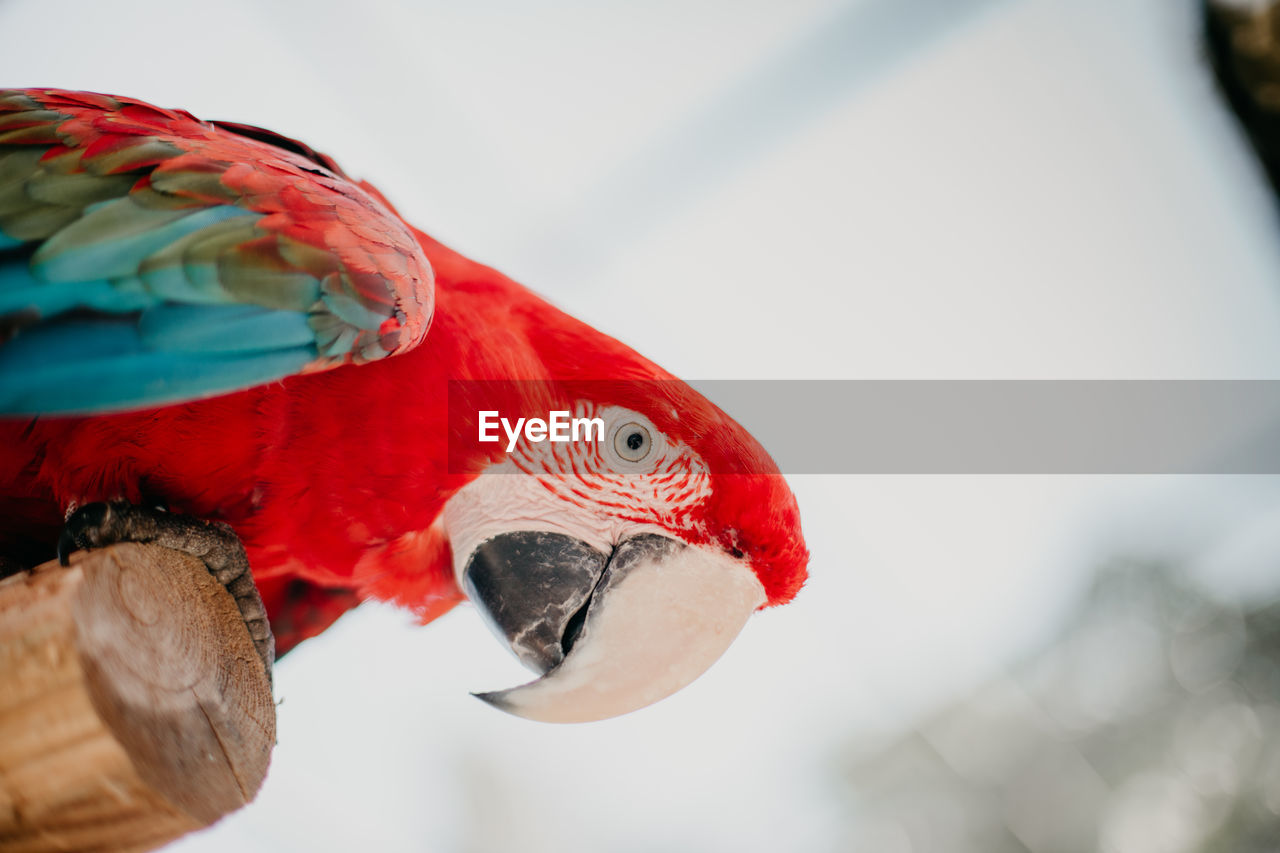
98	525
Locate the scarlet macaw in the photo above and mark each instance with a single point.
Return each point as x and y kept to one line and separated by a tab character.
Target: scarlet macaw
214	319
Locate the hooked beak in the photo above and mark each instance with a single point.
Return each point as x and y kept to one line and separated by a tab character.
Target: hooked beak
608	633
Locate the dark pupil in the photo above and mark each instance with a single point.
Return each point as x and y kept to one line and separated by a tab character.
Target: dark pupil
635	440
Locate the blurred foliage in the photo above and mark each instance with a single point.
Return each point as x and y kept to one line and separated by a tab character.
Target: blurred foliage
1243	42
1151	725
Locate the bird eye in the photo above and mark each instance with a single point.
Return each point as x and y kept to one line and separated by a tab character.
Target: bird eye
632	442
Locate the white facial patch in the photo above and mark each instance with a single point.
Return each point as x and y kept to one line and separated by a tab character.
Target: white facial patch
584	489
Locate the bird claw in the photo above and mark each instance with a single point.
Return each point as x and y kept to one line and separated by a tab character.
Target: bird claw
84	529
215	544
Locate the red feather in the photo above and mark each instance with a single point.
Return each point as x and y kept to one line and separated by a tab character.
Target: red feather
333	480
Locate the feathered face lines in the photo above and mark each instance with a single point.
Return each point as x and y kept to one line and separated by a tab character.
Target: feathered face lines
660	481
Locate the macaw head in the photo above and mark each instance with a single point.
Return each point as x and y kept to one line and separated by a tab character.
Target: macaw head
619	563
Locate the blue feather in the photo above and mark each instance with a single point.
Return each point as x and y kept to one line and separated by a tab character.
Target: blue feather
83	365
20	290
336	341
153	351
115	237
223	329
347	308
197	283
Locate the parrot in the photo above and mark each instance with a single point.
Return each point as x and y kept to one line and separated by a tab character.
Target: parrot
214	339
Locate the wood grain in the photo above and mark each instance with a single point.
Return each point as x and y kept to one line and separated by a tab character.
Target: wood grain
133	706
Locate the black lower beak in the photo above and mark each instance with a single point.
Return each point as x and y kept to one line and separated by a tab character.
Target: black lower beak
533	588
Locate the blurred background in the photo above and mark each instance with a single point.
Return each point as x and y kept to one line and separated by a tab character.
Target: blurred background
811	189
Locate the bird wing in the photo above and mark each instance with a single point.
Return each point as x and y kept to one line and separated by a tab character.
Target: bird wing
148	257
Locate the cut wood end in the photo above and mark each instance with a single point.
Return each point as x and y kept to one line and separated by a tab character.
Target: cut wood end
133	706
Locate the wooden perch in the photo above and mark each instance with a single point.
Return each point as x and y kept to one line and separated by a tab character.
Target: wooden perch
133	707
